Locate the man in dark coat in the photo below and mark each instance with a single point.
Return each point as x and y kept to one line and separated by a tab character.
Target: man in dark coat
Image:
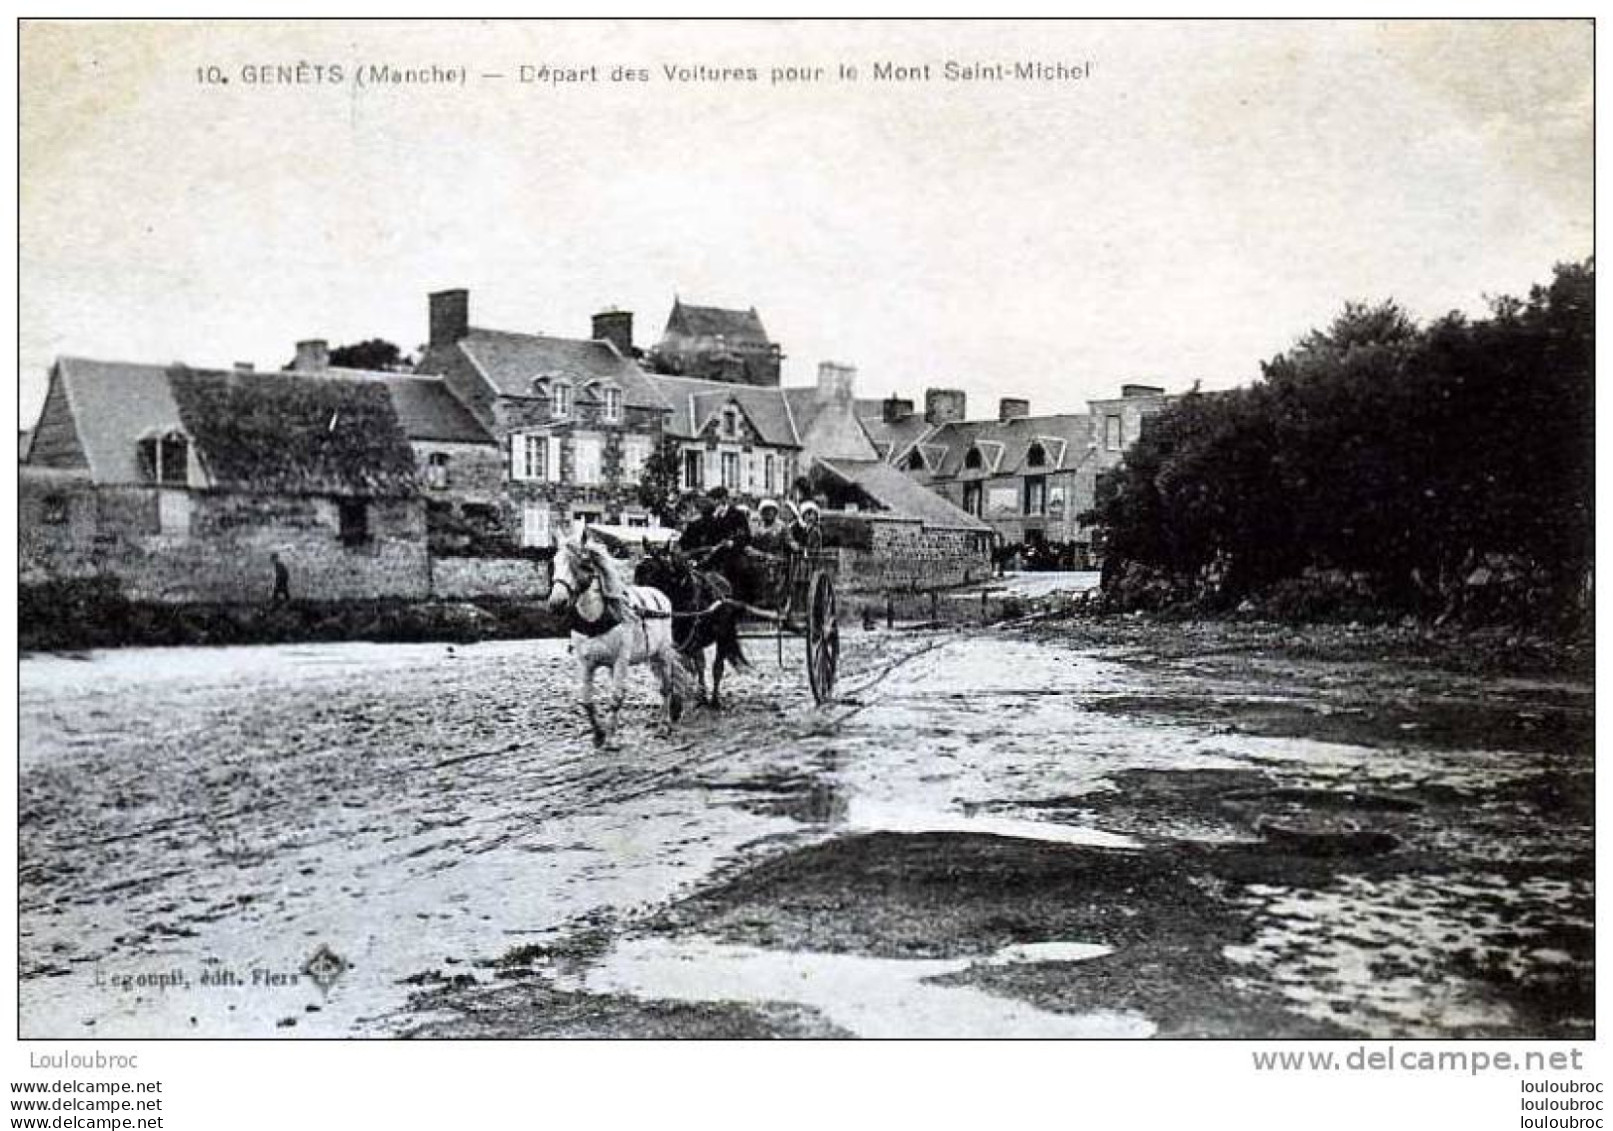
717	539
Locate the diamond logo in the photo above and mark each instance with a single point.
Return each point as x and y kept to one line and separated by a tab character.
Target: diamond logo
325	967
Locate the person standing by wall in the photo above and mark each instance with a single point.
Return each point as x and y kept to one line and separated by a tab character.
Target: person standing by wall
282	581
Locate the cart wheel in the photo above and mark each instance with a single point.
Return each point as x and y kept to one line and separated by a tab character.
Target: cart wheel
822	636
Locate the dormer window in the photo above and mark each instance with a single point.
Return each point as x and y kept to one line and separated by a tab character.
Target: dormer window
560	400
730	422
1036	456
915	462
611	402
165	459
973	461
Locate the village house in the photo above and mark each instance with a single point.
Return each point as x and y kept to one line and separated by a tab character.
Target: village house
574	420
183	482
717	345
1029	477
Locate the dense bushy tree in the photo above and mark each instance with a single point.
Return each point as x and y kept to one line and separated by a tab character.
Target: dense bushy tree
1402	454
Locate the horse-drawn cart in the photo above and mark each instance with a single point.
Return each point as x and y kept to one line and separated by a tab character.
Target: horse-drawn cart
809	610
793	594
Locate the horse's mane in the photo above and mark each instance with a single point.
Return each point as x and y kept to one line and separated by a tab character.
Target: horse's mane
608	567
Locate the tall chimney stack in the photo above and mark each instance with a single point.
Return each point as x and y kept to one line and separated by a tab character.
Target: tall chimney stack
615	327
894	408
313	356
835	381
1012	408
450	316
944	406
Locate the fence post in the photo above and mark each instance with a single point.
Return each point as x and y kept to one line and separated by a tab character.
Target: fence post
985	613
890	611
935	605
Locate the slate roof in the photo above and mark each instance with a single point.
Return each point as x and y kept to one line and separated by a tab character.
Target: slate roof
714	322
511	362
902	496
694	401
113	404
427	409
828	435
277	433
1065	439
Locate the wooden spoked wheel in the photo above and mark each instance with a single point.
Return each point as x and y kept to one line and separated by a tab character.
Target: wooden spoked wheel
822	635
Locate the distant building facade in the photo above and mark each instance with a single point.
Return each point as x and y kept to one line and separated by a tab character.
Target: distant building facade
714	344
1029	477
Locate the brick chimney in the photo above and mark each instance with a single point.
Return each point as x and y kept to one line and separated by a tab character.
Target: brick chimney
1013	408
313	356
895	408
1128	391
450	316
835	381
615	327
244	367
944	406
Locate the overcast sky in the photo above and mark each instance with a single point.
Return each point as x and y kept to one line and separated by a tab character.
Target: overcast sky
1204	197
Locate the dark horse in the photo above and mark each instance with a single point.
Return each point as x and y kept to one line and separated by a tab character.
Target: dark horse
699	592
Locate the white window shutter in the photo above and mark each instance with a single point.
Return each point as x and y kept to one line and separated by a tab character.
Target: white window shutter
516	440
553	459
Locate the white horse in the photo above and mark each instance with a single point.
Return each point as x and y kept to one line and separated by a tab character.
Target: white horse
615	624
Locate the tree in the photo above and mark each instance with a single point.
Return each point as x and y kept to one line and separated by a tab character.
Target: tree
375	353
660	482
1398	455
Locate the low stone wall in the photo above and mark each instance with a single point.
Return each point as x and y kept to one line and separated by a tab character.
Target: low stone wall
903	554
217	548
464	578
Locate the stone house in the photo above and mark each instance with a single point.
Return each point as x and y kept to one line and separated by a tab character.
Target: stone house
573	420
1029	477
182	482
715	344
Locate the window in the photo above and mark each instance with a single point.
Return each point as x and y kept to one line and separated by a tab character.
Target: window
535	524
972	498
534	457
1036	494
53	510
581	518
637	520
560	400
694	471
612	400
635	454
437	471
585	454
166	459
730	422
1036	456
769	473
915	462
974	461
730	470
1112	439
353	519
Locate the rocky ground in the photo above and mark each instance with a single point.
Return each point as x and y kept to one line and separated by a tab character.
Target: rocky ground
1070	828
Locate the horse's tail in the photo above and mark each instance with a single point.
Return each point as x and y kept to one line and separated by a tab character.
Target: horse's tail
728	649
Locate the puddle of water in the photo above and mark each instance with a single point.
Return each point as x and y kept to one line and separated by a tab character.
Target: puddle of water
868	997
865	814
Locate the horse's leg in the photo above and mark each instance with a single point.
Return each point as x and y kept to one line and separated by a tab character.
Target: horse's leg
618	689
588	701
716	679
663	679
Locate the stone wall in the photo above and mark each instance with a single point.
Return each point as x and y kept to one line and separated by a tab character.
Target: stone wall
458	579
904	554
214	546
